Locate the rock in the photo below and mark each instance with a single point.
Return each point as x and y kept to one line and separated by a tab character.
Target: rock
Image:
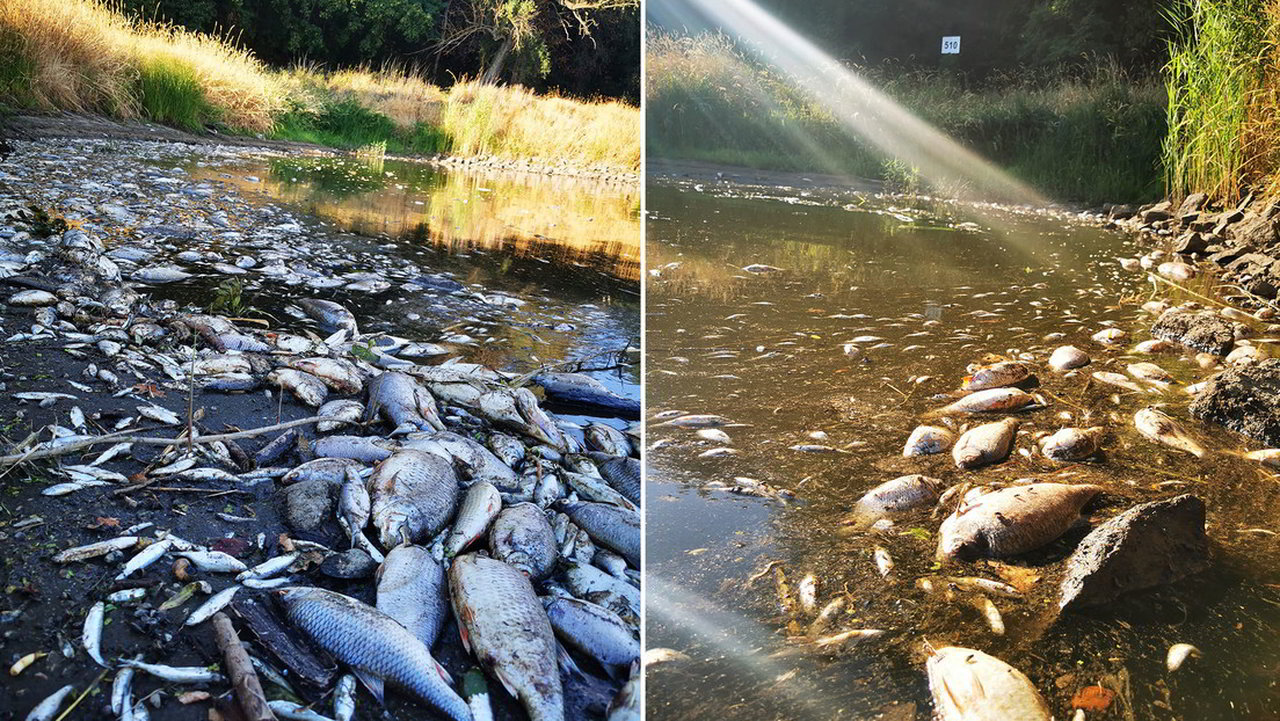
1206	332
1189	243
309	508
1192	203
1226	219
1254	231
1155	213
1245	399
1263	286
1120	212
1256	262
1149	545
1222	257
350	564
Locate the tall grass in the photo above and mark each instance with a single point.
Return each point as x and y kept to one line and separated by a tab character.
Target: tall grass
82	55
1087	139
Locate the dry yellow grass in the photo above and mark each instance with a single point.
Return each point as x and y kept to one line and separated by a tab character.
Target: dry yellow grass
82	55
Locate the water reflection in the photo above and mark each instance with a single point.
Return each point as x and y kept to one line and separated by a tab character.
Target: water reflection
866	313
562	220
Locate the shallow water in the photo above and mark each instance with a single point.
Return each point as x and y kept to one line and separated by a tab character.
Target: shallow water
766	351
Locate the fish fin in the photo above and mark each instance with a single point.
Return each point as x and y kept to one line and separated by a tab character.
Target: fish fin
444	673
566	661
502	678
371	682
466	640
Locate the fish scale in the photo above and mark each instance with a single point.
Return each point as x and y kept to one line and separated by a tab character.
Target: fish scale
492	601
372	643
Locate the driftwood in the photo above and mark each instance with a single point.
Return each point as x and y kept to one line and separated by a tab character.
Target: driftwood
285	644
148	441
243	678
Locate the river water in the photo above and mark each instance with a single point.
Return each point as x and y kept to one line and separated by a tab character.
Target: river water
920	289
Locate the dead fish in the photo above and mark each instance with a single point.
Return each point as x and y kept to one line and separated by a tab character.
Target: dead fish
1269	457
489	599
899	495
658	656
1072	444
339	375
991	401
48	708
815	448
608	525
985	585
479	507
705	420
269	567
807	593
338	414
214	561
996	375
522	537
330	315
353	513
401	400
159	415
1158	427
375	646
1011	521
715	435
367	449
411	589
344	698
607	439
884	561
414	495
1176	270
293	711
33	298
91	636
329	470
985	444
176	674
475	462
992	614
622	475
847	638
928	440
969	685
1118	380
1149	372
1109	336
305	387
1178	654
594	631
144	558
216	602
94	550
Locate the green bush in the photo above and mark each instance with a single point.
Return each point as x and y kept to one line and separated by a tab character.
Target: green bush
170	92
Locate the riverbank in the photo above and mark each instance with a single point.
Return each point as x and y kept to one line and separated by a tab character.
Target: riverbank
82	56
168	302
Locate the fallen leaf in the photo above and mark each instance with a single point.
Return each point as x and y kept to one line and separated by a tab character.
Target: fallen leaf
1092	698
104	522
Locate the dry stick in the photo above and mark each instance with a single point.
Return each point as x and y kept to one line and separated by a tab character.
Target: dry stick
88	442
243	678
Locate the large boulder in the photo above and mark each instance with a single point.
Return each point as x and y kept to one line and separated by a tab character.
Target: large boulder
1149	545
1245	399
1203	331
1254	231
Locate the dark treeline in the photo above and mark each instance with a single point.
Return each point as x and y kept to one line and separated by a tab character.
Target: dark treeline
585	48
1049	36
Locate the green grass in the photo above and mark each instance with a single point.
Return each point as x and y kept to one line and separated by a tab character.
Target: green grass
1215	81
171	93
348	124
1094	139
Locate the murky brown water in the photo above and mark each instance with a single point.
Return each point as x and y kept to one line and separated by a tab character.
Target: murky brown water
766	351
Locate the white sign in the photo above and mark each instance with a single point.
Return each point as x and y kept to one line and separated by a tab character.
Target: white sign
950	44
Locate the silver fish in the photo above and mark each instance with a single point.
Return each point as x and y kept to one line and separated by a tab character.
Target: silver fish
121	688
305	387
330	315
986	444
474	461
400	400
490	599
339	414
344	698
610	526
623	475
367	449
353	512
996	375
91	637
928	440
214	561
969	685
339	375
991	401
144	558
607	439
216	602
1014	520
330	470
595	631
48	708
295	711
375	646
176	674
479	507
1072	444
414	494
269	567
411	589
1160	428
522	537
94	550
899	495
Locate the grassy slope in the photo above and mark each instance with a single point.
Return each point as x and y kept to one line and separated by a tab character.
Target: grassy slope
1074	140
81	55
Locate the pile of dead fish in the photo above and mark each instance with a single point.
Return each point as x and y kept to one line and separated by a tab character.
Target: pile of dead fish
1150	544
421	492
